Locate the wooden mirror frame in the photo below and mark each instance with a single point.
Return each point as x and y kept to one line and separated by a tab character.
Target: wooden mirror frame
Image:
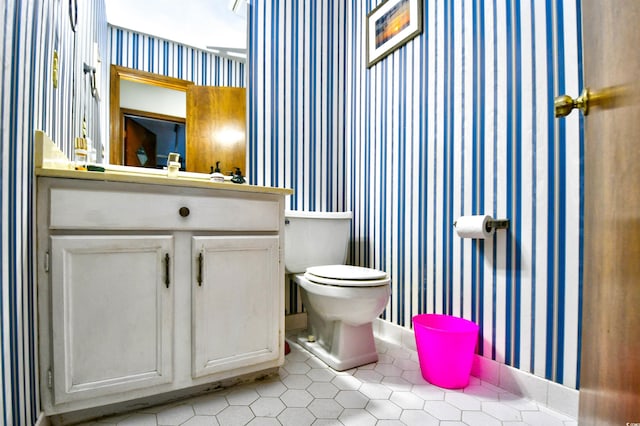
117	73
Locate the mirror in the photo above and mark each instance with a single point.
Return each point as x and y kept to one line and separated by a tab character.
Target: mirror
142	90
205	124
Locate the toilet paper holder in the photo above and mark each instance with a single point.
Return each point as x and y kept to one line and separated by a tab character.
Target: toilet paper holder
493	224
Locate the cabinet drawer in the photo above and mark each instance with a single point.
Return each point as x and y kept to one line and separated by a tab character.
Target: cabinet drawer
73	208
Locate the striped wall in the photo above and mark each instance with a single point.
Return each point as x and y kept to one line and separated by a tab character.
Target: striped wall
457	122
31	31
147	53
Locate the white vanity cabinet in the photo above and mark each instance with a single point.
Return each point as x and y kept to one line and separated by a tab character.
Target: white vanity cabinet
146	289
235	277
111	314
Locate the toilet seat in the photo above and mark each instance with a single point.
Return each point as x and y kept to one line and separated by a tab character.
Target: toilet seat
346	276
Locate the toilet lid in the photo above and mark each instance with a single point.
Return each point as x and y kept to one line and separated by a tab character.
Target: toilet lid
346	276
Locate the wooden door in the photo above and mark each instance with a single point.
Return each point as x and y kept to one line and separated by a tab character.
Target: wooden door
139	144
216	128
610	367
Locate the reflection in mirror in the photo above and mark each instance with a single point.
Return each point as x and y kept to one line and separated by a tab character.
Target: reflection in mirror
156	98
142	156
153	134
213	119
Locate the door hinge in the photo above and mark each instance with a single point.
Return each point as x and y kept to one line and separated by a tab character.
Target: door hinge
46	261
49	379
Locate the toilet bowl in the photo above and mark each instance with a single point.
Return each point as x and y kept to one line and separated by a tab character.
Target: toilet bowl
341	300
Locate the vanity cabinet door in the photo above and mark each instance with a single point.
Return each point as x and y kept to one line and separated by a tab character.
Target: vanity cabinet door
235	302
112	314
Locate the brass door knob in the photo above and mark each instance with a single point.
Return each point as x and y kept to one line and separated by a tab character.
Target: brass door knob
564	104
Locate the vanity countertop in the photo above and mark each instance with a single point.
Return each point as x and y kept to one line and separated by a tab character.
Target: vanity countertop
51	162
183	180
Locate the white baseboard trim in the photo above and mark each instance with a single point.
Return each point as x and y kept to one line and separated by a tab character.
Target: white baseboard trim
550	394
42	420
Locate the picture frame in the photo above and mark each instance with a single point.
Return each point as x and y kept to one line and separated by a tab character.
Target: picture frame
390	25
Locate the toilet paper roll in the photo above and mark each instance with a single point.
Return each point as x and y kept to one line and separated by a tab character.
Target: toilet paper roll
477	226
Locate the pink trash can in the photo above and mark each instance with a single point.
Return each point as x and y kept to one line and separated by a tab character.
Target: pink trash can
446	345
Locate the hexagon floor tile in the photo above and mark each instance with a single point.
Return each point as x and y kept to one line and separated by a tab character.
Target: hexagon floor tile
307	392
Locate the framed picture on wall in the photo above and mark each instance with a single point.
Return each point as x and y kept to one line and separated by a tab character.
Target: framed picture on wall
390	25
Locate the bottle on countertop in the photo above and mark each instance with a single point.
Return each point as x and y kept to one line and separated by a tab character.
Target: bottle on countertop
216	175
173	164
237	176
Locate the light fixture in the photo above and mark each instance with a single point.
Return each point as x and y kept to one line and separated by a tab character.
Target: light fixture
242	55
229	52
239	7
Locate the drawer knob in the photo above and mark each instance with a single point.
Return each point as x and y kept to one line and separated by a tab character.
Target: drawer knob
184	211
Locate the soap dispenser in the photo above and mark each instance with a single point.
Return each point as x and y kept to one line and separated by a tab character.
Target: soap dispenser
216	175
237	176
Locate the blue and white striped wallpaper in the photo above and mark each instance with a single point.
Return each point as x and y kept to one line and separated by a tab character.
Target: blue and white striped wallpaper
32	30
458	121
147	53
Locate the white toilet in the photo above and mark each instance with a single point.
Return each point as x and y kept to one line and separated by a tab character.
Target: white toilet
341	301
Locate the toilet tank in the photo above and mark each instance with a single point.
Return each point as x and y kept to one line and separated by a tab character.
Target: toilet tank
315	238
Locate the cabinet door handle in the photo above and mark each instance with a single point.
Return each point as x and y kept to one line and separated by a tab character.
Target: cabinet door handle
200	259
166	269
184	211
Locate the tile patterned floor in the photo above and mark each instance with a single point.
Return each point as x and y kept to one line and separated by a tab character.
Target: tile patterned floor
389	392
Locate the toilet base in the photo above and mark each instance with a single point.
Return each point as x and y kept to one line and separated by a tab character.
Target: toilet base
353	346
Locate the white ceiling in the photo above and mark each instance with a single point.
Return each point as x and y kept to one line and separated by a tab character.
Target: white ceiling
196	23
